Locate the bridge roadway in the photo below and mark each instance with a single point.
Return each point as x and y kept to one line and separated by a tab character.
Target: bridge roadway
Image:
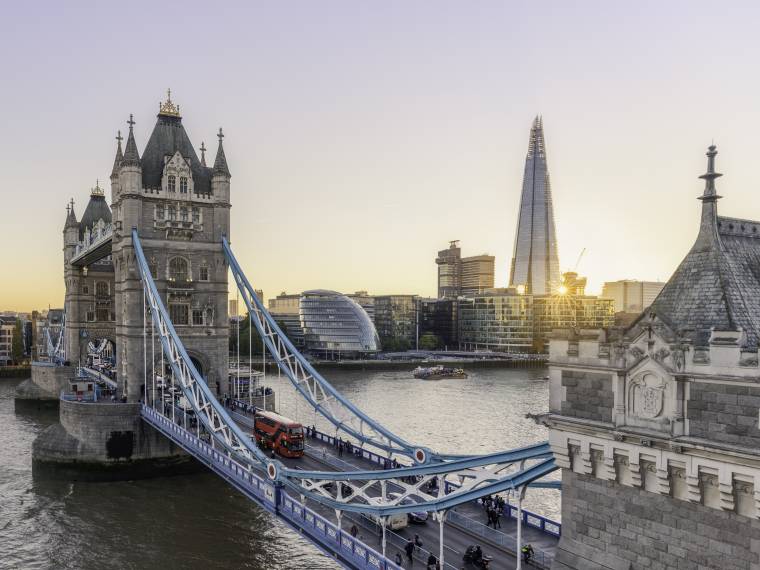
469	528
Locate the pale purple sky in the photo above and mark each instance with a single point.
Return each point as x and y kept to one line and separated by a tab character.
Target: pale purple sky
362	136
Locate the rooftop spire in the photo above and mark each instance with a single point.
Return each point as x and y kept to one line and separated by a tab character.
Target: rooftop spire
97	191
708	227
203	153
71	218
168	108
536	145
119	155
131	156
220	164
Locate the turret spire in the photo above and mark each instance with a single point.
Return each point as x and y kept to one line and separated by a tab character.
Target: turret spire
220	164
131	156
203	153
71	218
708	226
119	156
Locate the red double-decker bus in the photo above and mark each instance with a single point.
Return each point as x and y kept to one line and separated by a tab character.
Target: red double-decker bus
283	435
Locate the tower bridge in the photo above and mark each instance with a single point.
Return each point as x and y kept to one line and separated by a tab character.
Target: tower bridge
146	320
654	428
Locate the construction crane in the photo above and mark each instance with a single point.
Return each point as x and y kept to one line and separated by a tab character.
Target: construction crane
578	262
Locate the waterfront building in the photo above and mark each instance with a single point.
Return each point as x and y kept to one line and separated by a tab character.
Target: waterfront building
459	275
7	330
499	320
569	308
631	296
366	302
335	326
535	262
438	317
396	321
285	308
656	427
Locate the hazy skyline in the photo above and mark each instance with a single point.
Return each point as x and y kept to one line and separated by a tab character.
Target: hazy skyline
362	137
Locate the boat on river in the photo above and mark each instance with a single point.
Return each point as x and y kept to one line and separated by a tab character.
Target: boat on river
438	373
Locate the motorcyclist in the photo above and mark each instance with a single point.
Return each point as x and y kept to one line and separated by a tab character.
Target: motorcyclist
527	552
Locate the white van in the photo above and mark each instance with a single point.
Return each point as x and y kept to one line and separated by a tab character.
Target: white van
393	522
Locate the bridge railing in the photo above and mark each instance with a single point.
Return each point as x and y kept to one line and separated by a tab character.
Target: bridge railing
273	498
529	519
504	540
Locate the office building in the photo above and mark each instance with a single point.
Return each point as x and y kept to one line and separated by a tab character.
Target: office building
499	320
631	296
7	330
535	262
285	308
335	326
366	302
396	321
438	317
459	275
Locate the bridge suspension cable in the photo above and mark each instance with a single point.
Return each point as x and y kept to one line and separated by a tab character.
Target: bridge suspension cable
433	484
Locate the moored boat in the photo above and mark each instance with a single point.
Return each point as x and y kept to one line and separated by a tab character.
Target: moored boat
438	373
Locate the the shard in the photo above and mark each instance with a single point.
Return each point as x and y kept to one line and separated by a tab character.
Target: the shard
535	262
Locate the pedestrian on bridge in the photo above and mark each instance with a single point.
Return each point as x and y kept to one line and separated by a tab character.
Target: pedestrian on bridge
432	562
399	559
409	548
354	531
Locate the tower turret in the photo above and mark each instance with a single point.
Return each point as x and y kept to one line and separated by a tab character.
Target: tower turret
116	167
130	173
220	181
70	232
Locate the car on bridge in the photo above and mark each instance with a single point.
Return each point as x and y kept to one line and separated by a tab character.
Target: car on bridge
419	517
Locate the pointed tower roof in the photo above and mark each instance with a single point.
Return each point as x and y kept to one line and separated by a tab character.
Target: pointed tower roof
220	163
97	209
71	217
717	285
119	156
169	137
131	156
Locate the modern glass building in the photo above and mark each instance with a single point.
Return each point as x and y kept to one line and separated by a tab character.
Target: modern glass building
335	326
535	263
500	320
396	321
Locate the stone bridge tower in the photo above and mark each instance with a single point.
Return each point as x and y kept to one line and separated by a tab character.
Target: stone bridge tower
181	209
656	427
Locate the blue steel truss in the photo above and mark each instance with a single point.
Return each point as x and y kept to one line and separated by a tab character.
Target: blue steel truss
476	476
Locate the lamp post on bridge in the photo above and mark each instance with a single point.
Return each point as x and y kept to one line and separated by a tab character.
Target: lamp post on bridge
520	497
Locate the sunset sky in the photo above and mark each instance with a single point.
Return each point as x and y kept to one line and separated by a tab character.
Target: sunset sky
363	136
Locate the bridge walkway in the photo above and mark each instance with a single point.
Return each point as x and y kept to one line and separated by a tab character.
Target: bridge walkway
467	529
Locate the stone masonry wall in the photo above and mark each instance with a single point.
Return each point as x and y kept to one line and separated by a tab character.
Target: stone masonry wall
610	526
588	395
725	413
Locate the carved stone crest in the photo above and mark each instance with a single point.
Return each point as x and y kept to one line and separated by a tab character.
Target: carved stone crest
646	396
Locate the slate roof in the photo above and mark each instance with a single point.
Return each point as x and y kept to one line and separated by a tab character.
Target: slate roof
717	285
97	208
168	137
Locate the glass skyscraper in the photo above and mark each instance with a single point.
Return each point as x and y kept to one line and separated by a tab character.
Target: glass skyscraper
535	263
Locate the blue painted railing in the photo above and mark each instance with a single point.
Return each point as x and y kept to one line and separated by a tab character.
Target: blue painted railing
529	518
326	535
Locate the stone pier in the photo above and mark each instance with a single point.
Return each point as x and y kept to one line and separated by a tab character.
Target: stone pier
106	441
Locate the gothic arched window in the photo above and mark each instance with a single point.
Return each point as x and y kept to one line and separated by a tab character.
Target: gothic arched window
171	183
172	213
203	272
101	289
183	184
178	269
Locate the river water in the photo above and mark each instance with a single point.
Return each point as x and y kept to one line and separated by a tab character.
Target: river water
197	521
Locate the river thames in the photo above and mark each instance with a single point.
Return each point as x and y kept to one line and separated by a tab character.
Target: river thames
197	521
